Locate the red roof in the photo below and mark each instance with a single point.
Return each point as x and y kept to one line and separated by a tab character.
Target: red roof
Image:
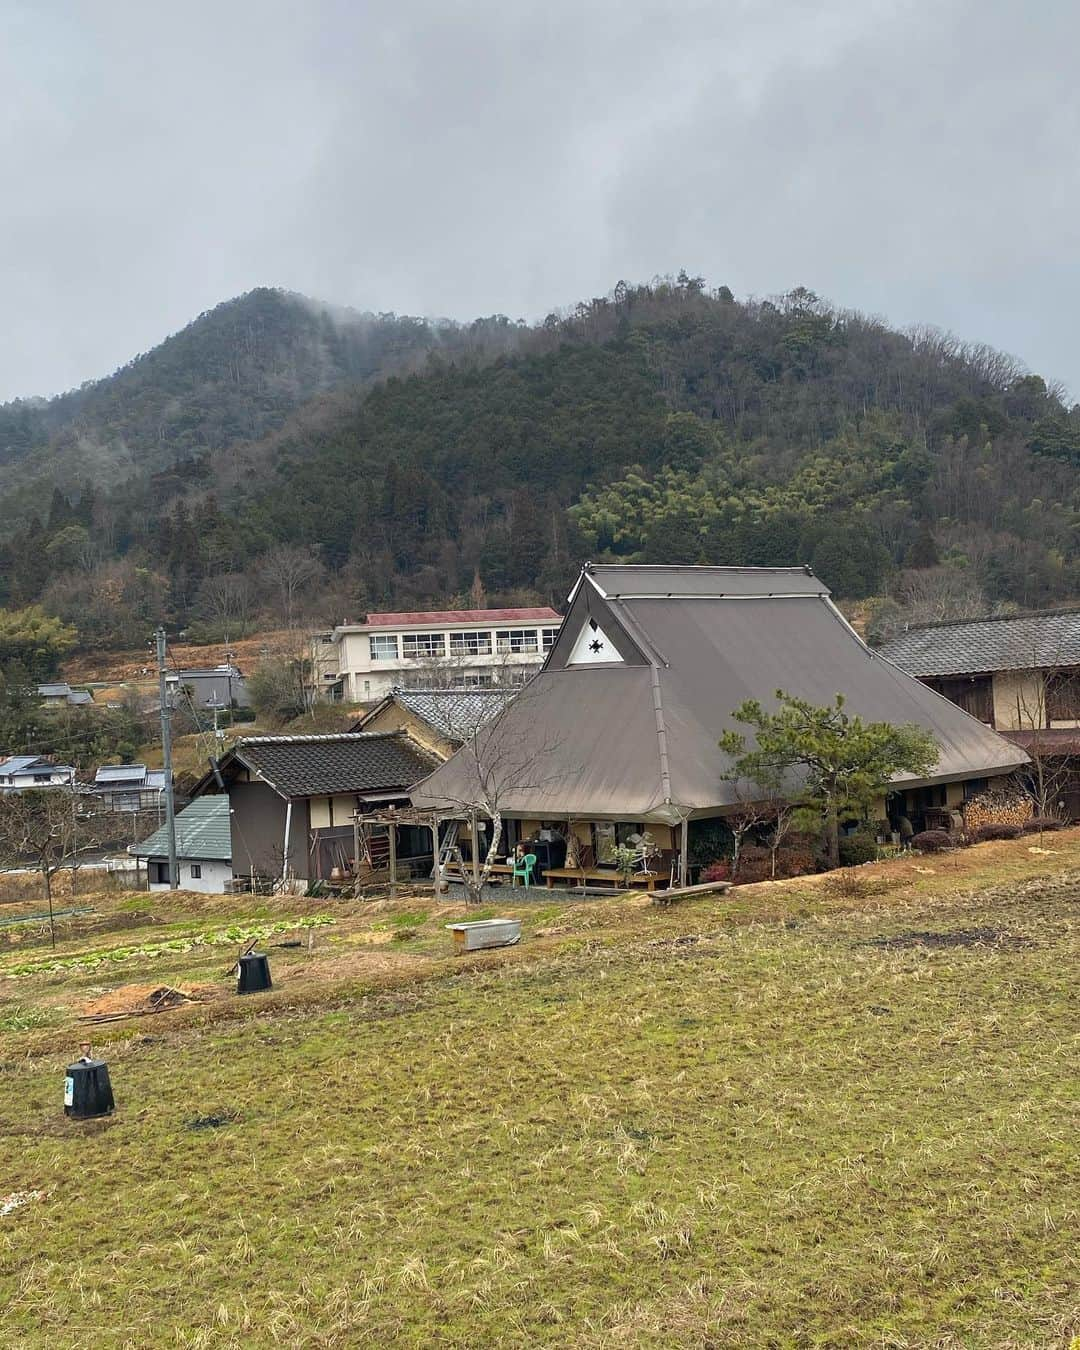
437	618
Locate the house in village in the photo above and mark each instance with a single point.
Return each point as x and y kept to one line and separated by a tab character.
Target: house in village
464	648
129	787
617	735
34	771
438	720
203	849
62	695
1019	674
293	800
209	687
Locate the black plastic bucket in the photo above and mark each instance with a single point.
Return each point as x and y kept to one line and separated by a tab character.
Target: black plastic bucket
254	974
87	1090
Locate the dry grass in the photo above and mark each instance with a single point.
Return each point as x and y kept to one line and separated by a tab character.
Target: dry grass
739	1122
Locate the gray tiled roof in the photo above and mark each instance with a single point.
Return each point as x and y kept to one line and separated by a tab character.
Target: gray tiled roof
202	831
453	713
979	646
306	766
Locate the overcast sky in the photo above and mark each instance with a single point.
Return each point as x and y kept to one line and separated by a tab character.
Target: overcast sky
915	160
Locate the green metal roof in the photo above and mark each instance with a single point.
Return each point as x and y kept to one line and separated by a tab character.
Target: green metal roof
202	831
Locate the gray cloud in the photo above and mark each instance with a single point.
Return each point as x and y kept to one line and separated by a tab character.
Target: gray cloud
914	159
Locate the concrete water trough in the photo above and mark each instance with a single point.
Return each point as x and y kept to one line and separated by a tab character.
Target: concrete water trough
471	937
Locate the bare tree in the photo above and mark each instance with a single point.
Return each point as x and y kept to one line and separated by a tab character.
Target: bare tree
1049	694
226	600
756	808
496	761
932	594
783	821
42	827
288	568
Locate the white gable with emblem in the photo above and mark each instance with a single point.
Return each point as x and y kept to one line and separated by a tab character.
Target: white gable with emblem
593	646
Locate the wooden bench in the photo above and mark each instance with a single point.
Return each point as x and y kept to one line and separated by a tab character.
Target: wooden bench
584	876
455	872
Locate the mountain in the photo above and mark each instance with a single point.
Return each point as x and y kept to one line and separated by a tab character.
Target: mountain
234	373
663	423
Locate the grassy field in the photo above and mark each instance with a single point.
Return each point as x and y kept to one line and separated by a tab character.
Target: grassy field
834	1112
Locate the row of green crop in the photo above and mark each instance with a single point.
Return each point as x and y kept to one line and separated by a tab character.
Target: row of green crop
235	933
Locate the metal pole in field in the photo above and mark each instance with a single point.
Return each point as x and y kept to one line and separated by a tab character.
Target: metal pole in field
166	756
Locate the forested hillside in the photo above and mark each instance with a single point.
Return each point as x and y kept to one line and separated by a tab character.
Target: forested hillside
234	373
665	423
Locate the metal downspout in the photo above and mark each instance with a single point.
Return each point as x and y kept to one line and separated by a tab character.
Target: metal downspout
661	734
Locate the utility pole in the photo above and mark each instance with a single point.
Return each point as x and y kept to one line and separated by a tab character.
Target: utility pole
166	753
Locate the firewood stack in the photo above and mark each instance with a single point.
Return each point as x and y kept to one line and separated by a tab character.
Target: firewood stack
997	808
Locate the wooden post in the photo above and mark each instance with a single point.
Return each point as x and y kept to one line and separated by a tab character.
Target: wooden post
393	860
436	875
683	860
474	826
355	846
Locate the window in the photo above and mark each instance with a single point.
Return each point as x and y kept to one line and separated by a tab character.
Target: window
416	646
1062	696
196	871
547	638
516	640
470	681
972	693
470	644
383	646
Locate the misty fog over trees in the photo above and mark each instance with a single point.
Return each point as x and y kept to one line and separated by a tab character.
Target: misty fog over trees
408	463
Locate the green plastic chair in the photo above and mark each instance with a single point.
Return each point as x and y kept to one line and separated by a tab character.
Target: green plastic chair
524	869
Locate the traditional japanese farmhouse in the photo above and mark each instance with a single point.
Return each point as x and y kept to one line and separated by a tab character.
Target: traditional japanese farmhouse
1020	674
618	732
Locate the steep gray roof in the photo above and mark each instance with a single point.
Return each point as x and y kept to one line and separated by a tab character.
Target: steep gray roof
202	831
453	713
635	737
636	582
980	646
315	766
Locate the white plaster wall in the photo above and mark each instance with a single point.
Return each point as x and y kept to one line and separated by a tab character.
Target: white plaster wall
214	880
1018	701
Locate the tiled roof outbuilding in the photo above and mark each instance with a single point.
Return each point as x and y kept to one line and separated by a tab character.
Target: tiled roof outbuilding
981	646
316	766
